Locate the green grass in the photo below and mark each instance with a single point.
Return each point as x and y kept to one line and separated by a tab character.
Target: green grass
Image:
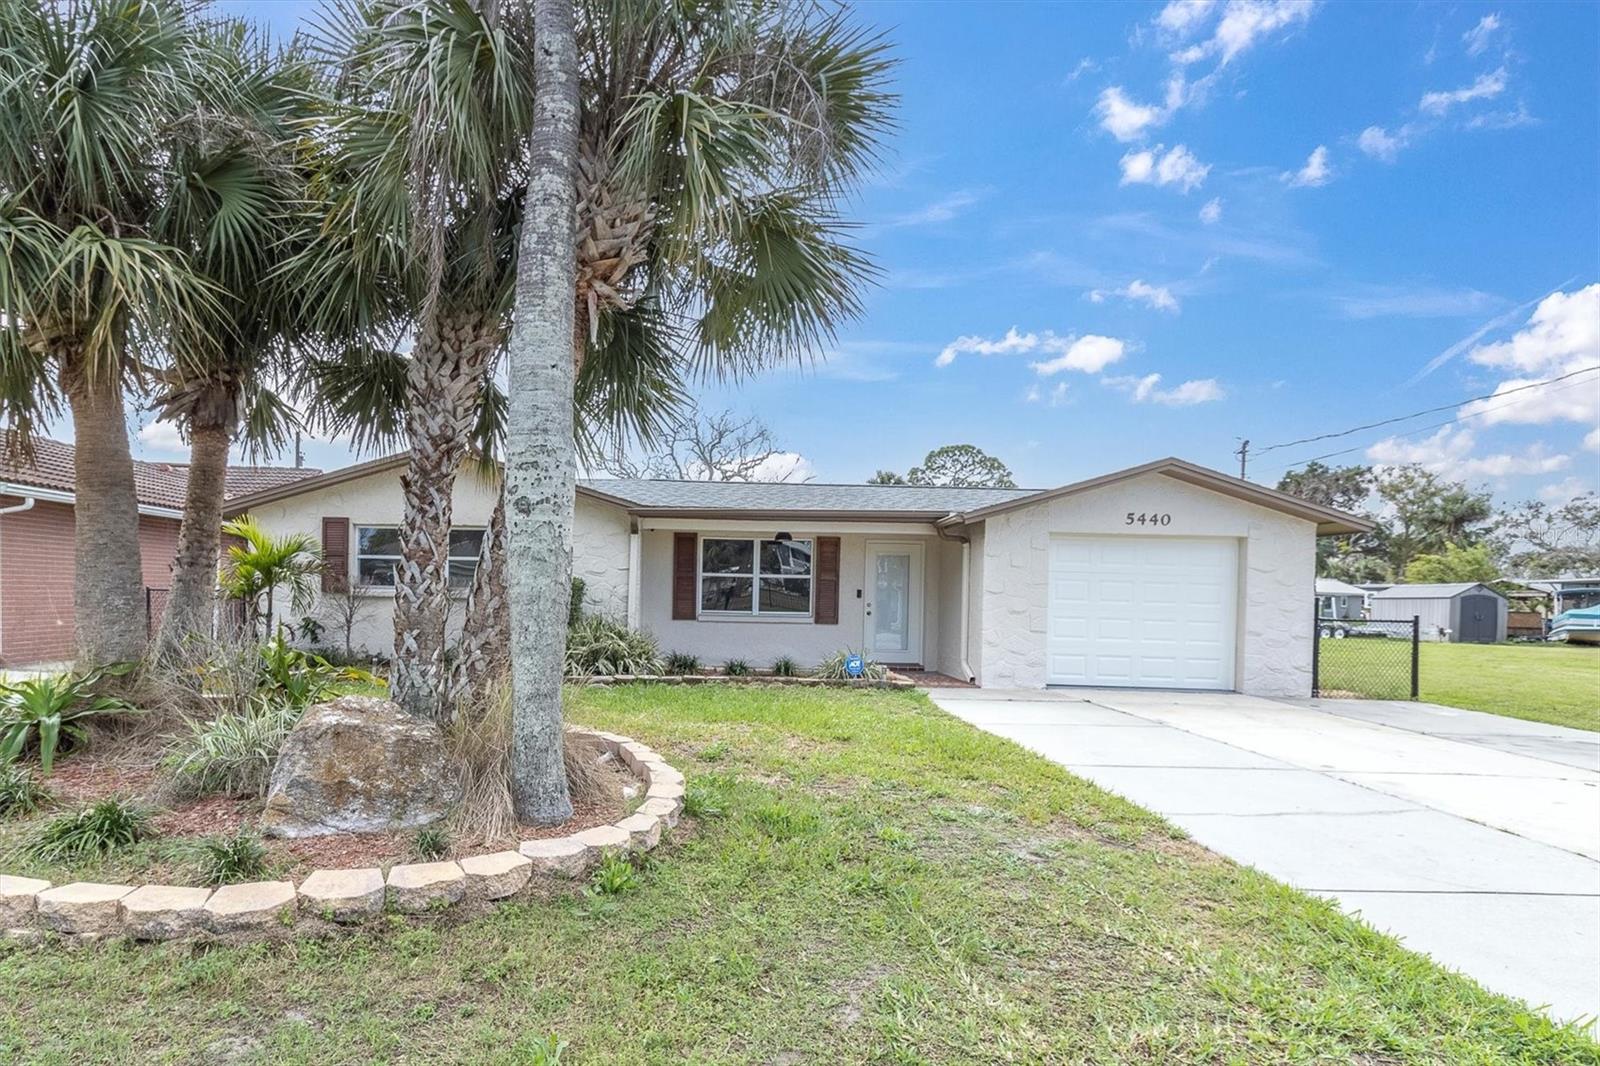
1555	683
872	881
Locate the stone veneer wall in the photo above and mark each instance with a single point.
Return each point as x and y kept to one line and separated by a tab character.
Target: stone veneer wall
1277	570
326	899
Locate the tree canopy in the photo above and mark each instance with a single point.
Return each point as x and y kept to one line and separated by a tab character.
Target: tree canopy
954	466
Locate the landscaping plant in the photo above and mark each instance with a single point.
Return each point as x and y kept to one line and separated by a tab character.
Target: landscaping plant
598	647
42	711
430	844
107	826
232	754
784	666
20	792
832	668
681	663
226	860
736	668
614	876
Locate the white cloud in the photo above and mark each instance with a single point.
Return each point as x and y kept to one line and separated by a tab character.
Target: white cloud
941	210
1477	38
1211	213
1315	172
1151	166
1148	389
1407	300
1089	353
1450	451
1486	87
1380	144
1559	492
1561	337
1055	397
1591	440
784	466
1157	296
1123	118
163	438
1245	23
1182	17
1085	66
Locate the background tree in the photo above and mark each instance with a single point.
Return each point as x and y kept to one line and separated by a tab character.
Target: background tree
961	466
1547	540
1424	513
233	208
1356	558
717	446
89	94
886	477
1453	564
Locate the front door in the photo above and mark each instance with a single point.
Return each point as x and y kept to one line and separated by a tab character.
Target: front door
893	610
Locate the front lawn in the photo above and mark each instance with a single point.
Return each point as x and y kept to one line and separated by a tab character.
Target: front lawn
871	881
1555	683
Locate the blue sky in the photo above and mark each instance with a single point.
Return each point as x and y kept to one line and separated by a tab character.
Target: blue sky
1302	217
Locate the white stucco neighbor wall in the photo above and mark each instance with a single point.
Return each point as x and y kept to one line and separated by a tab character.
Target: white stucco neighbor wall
1277	573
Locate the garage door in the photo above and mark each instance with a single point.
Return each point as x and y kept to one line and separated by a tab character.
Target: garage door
1145	612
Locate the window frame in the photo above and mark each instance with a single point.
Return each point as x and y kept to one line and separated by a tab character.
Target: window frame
377	588
755	614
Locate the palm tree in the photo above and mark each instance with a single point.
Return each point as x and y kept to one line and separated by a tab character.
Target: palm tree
712	146
259	564
87	90
426	132
233	210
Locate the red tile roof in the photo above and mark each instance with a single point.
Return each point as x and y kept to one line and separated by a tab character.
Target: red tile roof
156	484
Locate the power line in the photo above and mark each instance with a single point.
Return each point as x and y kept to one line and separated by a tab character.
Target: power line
1429	411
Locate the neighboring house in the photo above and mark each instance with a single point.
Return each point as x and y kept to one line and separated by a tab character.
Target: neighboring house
36	542
1337	600
1166	575
1460	613
1569	592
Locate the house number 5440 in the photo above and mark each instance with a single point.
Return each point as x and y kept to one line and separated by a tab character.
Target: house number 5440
1147	518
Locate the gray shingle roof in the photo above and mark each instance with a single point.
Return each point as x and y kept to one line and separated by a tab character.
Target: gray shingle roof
763	496
1425	592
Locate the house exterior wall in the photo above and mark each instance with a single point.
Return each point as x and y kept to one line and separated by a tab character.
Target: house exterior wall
761	640
1277	567
945	653
600	533
36	578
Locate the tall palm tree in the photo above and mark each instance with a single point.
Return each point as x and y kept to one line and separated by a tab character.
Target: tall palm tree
234	207
709	145
88	89
427	120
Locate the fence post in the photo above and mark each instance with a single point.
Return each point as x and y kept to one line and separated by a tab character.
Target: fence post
1416	657
1316	651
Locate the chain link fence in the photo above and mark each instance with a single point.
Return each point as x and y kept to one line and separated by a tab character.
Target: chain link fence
1358	658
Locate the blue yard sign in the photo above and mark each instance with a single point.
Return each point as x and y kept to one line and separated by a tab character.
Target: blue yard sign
854	666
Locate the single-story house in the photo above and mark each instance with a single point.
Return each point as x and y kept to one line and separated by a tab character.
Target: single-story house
36	546
1165	575
1338	600
1465	612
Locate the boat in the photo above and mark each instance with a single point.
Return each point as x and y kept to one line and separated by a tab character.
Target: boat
1579	626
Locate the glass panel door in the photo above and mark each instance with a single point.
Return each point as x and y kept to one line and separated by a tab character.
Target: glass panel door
891	602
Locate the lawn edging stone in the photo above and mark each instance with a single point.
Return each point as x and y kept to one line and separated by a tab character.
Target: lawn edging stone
344	898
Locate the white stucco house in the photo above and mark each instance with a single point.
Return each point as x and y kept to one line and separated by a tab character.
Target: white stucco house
1165	575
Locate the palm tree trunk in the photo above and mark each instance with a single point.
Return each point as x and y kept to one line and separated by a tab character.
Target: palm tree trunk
192	599
485	649
540	460
108	582
446	380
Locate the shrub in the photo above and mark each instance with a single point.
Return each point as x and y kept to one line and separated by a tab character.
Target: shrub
680	663
784	666
430	844
575	602
599	647
298	678
736	668
20	792
228	859
43	710
105	827
832	668
614	876
231	754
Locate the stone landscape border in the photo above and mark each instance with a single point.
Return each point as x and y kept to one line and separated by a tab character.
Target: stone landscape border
894	680
334	899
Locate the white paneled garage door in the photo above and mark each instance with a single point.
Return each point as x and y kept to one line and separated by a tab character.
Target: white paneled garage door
1144	612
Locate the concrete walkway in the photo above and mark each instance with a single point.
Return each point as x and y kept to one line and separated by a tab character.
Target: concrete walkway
1474	838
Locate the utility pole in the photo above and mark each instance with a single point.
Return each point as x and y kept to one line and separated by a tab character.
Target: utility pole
1244	457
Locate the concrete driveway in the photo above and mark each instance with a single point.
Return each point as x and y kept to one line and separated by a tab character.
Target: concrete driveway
1474	838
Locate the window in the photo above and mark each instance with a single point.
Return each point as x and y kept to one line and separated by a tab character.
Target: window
378	549
757	577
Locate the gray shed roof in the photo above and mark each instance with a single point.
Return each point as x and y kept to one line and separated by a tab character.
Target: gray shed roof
770	496
1430	592
1327	586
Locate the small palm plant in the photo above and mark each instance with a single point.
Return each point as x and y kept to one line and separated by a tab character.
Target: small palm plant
43	710
259	564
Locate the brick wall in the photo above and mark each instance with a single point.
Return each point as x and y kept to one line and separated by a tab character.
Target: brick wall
36	570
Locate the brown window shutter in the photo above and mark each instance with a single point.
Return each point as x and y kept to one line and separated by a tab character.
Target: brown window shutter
685	567
826	610
335	554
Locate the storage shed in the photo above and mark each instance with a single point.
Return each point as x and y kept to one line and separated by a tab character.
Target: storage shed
1462	613
1336	599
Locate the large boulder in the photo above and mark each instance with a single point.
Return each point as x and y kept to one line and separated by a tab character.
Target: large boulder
358	765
